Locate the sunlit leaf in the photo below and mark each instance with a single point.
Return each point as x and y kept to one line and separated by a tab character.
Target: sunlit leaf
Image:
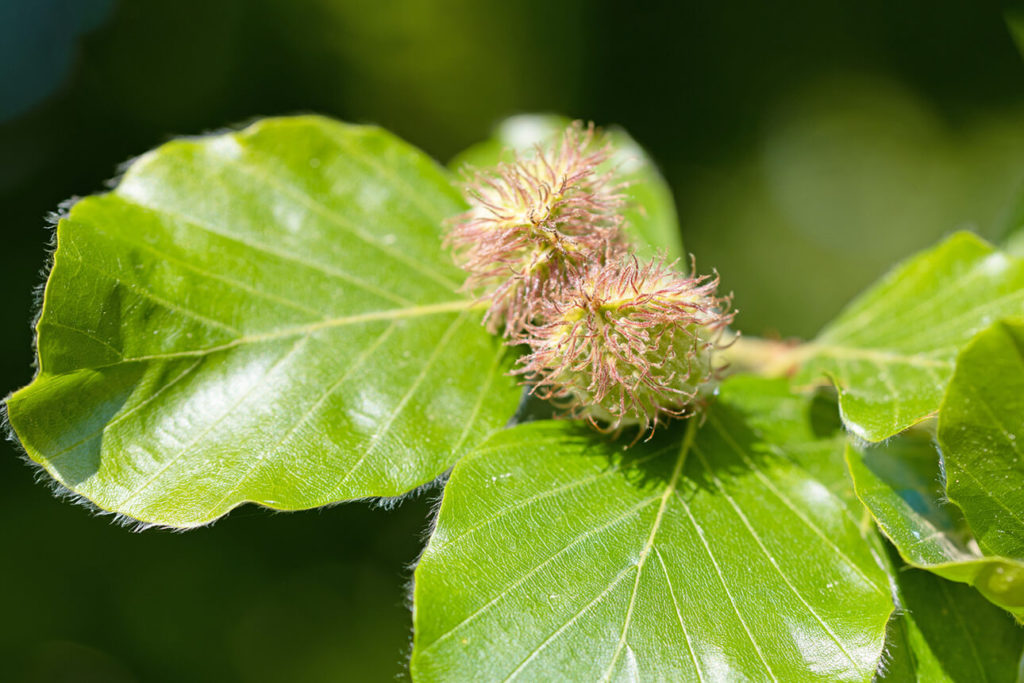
705	554
981	429
891	353
651	215
1015	244
259	316
901	486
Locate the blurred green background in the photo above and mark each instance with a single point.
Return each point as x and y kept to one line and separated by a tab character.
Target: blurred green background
809	144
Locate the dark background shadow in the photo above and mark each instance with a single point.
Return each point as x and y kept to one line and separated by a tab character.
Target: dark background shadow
809	144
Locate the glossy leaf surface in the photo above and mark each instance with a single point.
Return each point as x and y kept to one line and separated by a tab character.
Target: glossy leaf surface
259	316
705	554
802	428
651	214
900	485
981	429
891	353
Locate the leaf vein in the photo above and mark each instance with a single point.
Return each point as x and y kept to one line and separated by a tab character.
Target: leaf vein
306	330
530	500
124	416
771	558
558	632
237	284
679	615
787	502
257	462
250	243
691	431
170	305
245	395
377	437
284	188
630	512
728	593
484	390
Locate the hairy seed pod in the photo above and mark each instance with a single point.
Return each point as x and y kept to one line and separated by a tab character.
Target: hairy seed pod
628	344
534	220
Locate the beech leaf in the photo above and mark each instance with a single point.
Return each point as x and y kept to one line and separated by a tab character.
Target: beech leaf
891	353
947	631
981	430
703	554
900	485
260	316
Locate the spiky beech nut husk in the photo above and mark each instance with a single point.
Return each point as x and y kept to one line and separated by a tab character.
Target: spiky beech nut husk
628	343
533	220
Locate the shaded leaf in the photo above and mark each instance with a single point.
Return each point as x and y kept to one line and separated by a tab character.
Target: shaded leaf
703	554
259	316
981	430
900	485
891	353
1015	23
804	429
651	215
947	631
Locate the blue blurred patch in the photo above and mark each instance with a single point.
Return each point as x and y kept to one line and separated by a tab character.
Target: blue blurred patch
38	40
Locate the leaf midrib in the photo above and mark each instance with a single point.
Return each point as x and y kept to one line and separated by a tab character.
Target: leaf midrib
691	431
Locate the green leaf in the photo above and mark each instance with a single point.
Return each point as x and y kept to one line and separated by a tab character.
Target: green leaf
1015	244
900	484
804	429
703	554
259	316
948	632
651	217
891	353
1015	23
981	430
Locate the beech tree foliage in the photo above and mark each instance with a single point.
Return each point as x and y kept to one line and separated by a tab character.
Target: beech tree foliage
274	316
